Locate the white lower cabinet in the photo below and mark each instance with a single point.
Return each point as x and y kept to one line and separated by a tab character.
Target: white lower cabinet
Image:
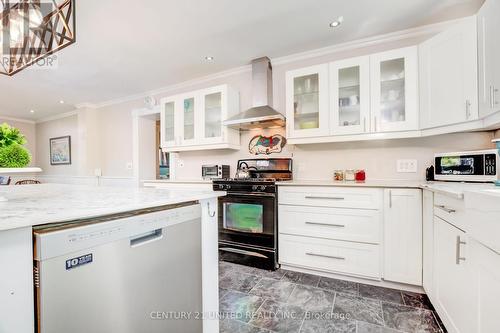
455	288
485	265
403	236
358	225
428	241
333	256
362	232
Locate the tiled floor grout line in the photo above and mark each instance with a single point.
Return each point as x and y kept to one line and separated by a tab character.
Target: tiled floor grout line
294	287
383	316
411	303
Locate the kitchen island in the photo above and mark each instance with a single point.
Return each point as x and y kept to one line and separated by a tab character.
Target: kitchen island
33	206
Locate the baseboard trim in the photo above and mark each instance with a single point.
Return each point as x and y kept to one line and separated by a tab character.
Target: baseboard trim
370	281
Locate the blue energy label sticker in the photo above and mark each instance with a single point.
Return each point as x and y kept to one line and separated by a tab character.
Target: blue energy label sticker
79	261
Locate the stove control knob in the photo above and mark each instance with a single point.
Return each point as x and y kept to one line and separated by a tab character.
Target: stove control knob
255	187
262	187
228	187
221	187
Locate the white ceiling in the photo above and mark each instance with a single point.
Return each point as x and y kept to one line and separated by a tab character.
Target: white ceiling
127	47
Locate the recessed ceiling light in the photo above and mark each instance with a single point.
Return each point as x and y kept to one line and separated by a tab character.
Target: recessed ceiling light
209	58
32	111
61	102
337	22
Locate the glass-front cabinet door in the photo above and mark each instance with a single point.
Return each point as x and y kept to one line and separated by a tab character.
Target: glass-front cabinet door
168	122
350	96
394	92
213	112
188	117
307	102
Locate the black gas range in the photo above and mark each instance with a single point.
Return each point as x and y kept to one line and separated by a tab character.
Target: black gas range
248	214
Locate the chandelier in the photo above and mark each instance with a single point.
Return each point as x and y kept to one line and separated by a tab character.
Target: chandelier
31	31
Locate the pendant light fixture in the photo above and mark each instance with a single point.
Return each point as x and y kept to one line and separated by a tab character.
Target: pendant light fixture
32	30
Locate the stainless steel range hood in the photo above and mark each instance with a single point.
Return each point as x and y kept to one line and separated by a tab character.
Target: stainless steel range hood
261	115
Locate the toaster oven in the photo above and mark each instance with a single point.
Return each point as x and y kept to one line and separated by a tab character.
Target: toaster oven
215	171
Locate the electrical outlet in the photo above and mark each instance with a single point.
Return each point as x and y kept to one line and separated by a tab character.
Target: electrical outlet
406	166
180	163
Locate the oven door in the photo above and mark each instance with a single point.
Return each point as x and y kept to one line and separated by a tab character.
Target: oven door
248	219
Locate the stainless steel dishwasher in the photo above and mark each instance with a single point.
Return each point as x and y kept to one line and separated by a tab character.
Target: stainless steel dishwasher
136	272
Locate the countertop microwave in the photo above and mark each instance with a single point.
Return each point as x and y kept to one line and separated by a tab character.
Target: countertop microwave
469	166
215	171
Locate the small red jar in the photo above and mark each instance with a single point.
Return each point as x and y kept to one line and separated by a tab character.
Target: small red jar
360	176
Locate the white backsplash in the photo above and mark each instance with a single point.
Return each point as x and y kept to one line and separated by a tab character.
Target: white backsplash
318	161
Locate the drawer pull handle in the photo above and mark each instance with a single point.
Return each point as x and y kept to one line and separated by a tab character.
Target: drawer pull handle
327	224
458	252
325	198
324	256
448	210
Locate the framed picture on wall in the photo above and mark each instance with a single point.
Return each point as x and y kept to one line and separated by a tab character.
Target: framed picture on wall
60	150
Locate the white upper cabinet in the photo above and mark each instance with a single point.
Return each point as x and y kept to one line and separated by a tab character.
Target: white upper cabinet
350	96
307	106
168	120
189	103
213	111
488	25
193	121
448	84
403	236
394	90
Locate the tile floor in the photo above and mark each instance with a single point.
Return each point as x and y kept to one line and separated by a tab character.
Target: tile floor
258	301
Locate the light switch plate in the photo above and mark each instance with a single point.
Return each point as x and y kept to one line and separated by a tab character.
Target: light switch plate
129	166
406	166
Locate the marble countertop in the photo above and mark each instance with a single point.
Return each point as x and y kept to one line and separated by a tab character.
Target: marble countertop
168	181
457	190
369	183
448	188
30	205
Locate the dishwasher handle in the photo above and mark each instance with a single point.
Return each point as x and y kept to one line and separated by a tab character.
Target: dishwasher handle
146	238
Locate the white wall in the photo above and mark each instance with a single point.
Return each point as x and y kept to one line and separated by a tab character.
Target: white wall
56	128
113	127
28	129
318	161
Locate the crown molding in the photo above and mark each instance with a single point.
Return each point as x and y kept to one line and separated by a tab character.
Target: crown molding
20	120
360	43
57	116
167	89
85	106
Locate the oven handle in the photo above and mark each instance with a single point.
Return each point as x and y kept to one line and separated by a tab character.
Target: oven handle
238	251
270	195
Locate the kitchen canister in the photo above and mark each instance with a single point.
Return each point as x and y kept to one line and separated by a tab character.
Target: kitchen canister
350	175
338	175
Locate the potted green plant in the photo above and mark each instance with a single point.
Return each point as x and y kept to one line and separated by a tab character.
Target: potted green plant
13	154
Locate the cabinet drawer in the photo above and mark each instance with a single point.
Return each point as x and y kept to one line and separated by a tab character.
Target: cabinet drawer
330	255
450	209
359	225
341	197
